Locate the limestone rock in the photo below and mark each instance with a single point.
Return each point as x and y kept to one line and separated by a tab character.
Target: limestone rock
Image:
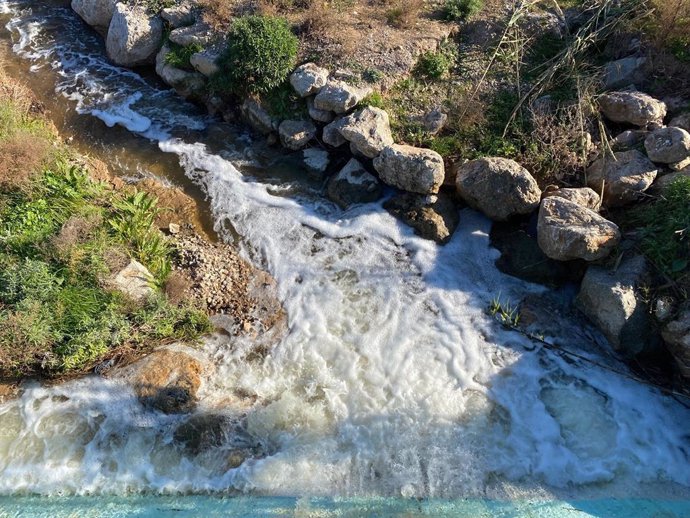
498	187
583	196
331	133
96	13
567	231
624	176
308	79
316	160
353	184
316	114
258	117
295	135
433	217
628	140
186	83
623	72
668	145
204	62
681	121
134	36
610	299
199	34
179	15
676	334
368	130
135	281
632	107
339	97
410	168
434	121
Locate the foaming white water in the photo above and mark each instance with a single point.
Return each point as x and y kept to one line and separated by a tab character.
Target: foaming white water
392	380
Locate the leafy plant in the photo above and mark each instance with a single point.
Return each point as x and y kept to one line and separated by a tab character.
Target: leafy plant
179	56
434	65
260	54
504	312
461	10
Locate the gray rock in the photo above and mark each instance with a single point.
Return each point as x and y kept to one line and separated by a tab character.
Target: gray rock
96	13
623	72
339	97
629	139
295	135
434	121
611	300
662	182
187	84
368	130
318	115
498	187
681	121
316	160
410	168
308	79
676	335
567	231
668	145
331	133
199	33
624	176
204	62
134	36
134	281
433	217
632	107
353	184
179	15
583	196
258	117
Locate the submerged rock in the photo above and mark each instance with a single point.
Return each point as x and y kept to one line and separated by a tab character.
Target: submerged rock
353	184
668	145
410	168
623	177
368	130
432	217
632	107
499	187
134	36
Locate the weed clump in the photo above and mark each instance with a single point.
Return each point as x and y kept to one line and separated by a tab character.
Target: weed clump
461	10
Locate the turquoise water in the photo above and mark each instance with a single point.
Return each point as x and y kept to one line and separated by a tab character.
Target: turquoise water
182	507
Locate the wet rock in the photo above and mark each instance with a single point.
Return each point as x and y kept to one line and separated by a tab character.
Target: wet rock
339	97
632	108
368	130
498	187
624	72
295	135
179	15
203	431
204	62
623	177
258	117
199	33
134	36
187	84
629	139
318	115
308	79
681	121
433	217
676	335
96	13
668	145
411	168
583	196
167	379
316	160
353	184
331	133
134	281
567	231
611	300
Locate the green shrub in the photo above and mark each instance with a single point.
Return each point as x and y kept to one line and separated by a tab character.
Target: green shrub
433	65
460	10
179	56
261	52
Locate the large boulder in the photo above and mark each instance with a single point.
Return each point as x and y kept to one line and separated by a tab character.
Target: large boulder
623	72
410	168
498	187
187	84
134	36
668	145
623	176
632	108
339	97
611	299
433	217
96	13
676	335
368	130
295	135
567	231
134	281
308	79
353	184
583	196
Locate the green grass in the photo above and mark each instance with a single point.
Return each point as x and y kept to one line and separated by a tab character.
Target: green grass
179	56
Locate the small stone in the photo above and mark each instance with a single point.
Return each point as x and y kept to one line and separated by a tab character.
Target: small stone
174	228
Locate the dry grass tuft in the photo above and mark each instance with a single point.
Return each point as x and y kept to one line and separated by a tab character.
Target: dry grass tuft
178	288
21	159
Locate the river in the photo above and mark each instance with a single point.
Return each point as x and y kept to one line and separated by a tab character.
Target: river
393	382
